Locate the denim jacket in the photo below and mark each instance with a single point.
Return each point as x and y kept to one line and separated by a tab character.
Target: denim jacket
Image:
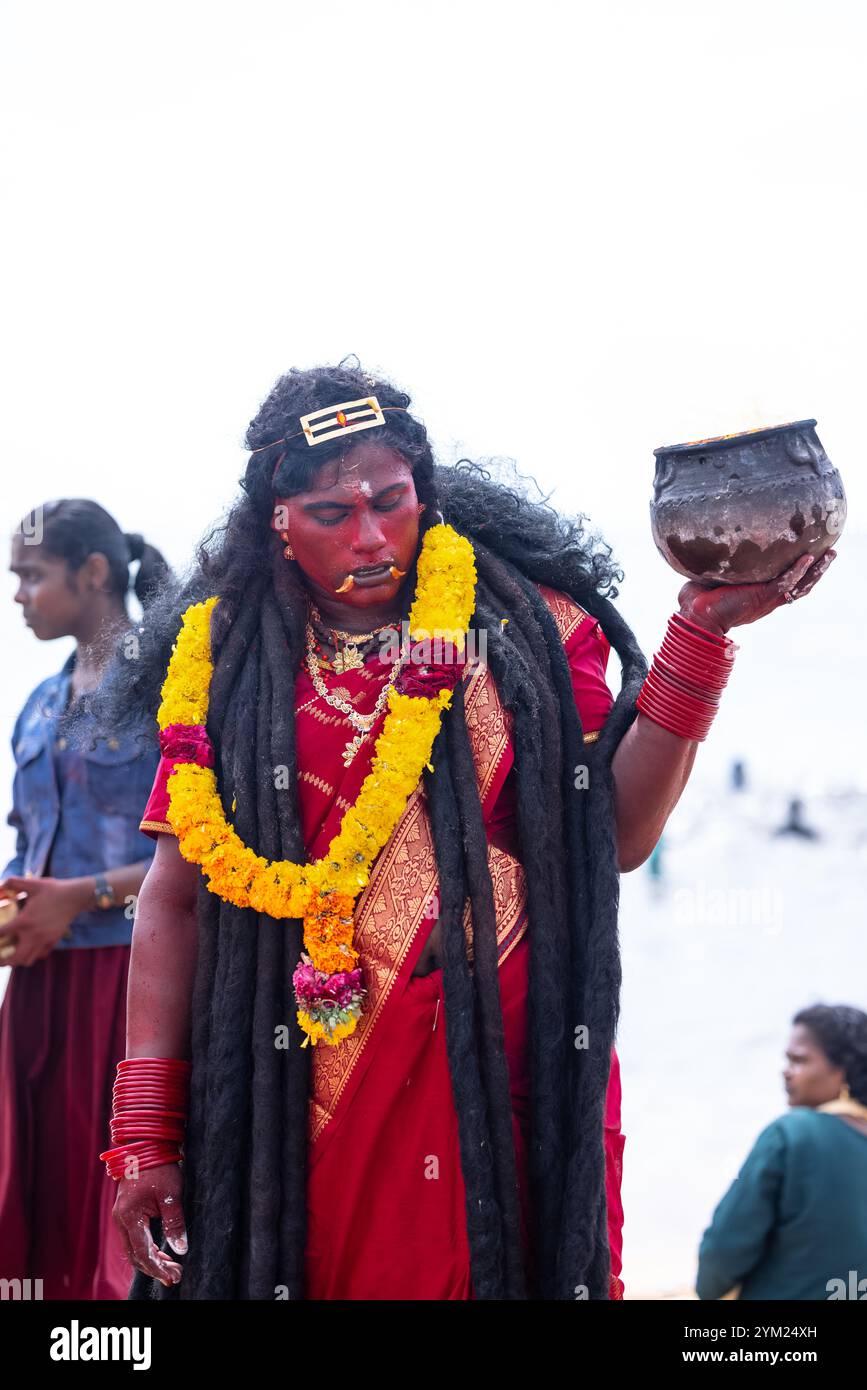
76	809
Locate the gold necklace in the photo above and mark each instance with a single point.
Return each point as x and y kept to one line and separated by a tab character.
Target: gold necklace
349	656
362	722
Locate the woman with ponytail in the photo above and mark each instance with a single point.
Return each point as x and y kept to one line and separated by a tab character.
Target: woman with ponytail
68	897
375	975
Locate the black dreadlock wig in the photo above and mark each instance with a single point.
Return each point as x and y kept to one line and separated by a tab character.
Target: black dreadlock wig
247	1133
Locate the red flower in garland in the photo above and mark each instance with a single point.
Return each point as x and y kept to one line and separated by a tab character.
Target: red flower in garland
187	743
428	678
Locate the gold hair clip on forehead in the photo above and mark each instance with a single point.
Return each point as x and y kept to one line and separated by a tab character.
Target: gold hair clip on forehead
345	418
333	420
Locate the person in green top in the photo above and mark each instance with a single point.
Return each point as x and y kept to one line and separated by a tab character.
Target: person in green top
793	1224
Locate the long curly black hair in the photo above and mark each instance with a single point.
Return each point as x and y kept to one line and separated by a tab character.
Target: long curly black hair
246	1146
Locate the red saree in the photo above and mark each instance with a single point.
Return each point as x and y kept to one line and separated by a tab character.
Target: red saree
386	1213
62	1026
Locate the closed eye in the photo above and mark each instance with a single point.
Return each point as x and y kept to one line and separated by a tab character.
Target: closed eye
341	516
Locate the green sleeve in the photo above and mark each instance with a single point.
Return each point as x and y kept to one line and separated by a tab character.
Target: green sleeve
735	1241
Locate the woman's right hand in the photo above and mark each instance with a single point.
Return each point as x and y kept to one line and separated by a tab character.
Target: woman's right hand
155	1193
720	607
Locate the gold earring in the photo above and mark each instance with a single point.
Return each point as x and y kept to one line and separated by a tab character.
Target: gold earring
287	549
845	1093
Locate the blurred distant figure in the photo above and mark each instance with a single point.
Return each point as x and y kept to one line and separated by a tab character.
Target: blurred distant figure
794	823
80	858
739	776
793	1224
654	863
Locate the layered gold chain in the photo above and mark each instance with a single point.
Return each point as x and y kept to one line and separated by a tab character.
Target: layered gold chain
363	723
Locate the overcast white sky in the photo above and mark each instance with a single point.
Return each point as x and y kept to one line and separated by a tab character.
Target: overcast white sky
574	232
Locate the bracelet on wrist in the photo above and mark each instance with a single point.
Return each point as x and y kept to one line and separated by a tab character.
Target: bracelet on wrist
103	892
151	1105
681	619
684	685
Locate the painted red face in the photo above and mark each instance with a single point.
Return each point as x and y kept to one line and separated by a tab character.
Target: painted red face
360	518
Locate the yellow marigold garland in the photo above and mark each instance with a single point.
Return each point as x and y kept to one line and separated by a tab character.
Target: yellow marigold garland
324	892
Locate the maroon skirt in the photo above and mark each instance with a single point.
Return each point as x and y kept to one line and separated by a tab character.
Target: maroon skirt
62	1033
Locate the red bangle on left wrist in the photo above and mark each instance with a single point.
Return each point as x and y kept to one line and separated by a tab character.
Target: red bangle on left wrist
683	688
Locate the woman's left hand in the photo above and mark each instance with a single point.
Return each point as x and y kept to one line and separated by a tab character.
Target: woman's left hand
52	903
724	606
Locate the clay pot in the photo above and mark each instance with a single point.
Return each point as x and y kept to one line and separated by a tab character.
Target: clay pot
742	508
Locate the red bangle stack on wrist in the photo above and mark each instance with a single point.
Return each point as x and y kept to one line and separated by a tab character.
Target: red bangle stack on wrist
151	1104
684	686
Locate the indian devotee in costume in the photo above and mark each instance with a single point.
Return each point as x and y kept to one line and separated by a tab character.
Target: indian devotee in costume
375	974
79	859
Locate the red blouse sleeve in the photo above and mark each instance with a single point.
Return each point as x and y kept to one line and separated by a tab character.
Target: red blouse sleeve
587	651
179	743
154	821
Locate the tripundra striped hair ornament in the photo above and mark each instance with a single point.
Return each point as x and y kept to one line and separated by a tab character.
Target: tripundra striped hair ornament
332	420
